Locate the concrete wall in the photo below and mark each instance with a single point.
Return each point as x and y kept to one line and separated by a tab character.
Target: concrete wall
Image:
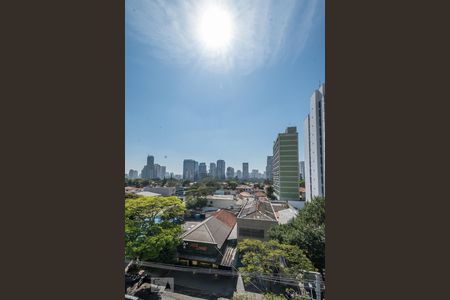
254	224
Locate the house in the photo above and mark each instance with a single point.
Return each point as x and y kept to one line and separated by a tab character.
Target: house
255	219
223	201
210	243
224	192
147	194
244	188
163	191
132	190
260	194
245	196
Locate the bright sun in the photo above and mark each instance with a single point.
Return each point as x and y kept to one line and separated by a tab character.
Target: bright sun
215	29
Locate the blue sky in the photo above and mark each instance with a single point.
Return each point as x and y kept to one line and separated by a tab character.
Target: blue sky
184	101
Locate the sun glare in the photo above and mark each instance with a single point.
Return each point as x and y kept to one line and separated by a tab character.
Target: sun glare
215	29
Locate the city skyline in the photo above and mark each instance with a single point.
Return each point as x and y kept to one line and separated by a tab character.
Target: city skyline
206	165
184	108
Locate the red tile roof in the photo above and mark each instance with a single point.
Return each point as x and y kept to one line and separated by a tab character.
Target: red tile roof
226	217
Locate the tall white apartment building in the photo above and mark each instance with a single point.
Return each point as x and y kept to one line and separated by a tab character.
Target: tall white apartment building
314	127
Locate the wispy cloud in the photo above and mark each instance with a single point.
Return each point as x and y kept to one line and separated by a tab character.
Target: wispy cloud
267	31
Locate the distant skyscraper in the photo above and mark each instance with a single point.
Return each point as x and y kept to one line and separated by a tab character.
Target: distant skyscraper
230	172
254	174
148	172
212	170
239	174
133	174
314	126
285	165
301	166
196	171
202	171
163	172
269	168
189	169
221	169
245	170
157	173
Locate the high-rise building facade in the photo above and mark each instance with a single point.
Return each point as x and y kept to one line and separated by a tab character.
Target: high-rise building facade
269	168
212	170
254	174
301	169
245	170
148	172
314	127
285	165
189	169
196	171
239	174
220	169
163	172
230	172
202	173
133	174
157	173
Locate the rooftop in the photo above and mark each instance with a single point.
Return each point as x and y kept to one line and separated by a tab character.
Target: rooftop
214	230
258	209
285	215
260	194
220	197
148	194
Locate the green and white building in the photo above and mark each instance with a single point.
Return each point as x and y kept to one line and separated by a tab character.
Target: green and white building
285	166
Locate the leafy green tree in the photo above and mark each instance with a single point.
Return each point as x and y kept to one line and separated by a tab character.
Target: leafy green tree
269	192
150	233
307	231
272	258
196	202
186	183
200	190
232	184
301	183
172	182
131	196
271	296
243	296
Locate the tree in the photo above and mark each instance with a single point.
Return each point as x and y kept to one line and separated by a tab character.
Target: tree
269	192
301	183
272	258
131	196
151	232
232	184
196	202
243	296
307	231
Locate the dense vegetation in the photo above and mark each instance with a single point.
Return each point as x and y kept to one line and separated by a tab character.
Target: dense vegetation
193	202
272	258
307	231
140	183
151	230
